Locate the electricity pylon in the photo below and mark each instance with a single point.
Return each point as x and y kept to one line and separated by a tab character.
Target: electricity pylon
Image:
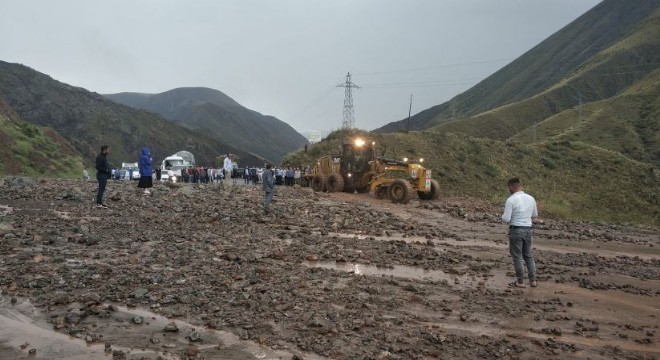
348	122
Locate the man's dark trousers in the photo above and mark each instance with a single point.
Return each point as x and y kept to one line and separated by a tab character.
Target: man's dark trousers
103	180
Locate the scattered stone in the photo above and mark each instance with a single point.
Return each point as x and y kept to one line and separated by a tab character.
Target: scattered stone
139	293
191	352
118	355
171	327
194	336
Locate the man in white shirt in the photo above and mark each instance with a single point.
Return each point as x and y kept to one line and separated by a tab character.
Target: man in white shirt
519	212
296	176
227	167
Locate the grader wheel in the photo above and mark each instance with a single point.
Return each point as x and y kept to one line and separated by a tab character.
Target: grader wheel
400	191
318	183
335	183
433	194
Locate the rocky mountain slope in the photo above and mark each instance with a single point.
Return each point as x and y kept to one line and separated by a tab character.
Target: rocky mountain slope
220	116
87	120
595	81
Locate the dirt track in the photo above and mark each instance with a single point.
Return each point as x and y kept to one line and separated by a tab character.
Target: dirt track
329	276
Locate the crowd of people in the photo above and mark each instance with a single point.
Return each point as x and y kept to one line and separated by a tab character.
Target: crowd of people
287	176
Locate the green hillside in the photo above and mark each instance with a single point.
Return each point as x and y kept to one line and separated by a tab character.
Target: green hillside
618	88
570	179
220	116
88	120
595	57
628	123
33	150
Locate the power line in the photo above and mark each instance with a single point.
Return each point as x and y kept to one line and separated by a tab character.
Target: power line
432	67
423	82
315	102
419	86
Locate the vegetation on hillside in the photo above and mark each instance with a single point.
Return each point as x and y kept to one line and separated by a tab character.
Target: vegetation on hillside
628	123
616	41
617	95
35	151
570	179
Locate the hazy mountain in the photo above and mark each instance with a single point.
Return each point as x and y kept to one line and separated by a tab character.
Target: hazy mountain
88	120
610	55
220	116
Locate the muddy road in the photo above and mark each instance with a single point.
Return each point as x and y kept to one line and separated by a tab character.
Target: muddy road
193	272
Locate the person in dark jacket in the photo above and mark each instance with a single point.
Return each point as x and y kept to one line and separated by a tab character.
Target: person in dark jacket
103	172
146	181
268	186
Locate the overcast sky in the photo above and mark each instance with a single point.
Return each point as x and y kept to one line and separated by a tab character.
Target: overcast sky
282	58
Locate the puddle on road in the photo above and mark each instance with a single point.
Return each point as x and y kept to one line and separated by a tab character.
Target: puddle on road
562	247
22	323
398	237
408	240
413	273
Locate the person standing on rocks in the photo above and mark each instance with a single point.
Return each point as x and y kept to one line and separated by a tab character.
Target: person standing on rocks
519	212
268	186
146	179
103	172
227	167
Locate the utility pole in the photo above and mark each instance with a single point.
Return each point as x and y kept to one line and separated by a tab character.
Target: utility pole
409	111
579	107
348	121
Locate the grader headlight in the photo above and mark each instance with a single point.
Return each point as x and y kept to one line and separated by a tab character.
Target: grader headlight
359	142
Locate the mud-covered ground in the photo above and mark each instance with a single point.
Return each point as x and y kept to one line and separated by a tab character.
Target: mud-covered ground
193	272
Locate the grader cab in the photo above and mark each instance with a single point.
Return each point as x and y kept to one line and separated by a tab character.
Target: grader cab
350	171
357	169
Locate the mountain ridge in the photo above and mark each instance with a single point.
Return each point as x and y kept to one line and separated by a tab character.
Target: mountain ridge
88	120
215	113
558	55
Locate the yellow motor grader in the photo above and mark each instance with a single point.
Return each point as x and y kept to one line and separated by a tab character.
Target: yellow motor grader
356	169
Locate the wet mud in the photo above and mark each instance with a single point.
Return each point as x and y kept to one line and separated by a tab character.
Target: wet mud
194	272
